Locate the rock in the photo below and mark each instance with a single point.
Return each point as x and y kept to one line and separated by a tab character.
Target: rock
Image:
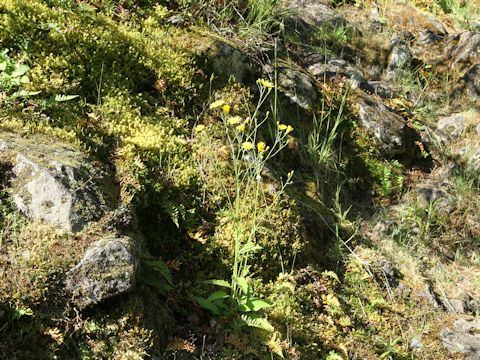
107	269
437	194
456	306
3	145
55	182
229	61
469	84
387	128
463	338
450	128
304	16
463	48
381	89
297	87
416	343
399	57
428	37
429	295
325	68
60	194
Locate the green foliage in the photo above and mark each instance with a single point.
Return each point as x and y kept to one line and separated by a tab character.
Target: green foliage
12	74
156	273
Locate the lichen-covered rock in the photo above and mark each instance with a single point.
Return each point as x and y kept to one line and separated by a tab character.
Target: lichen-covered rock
387	128
306	15
469	84
450	128
229	61
463	338
463	48
399	57
297	87
59	194
54	182
107	269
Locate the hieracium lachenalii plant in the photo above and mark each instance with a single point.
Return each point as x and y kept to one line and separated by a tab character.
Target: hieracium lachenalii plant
249	155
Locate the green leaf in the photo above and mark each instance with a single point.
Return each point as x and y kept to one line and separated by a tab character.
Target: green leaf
242	283
3	65
23	94
20	70
257	322
161	268
206	304
222	283
218	295
62	98
259	304
24	79
250	247
331	274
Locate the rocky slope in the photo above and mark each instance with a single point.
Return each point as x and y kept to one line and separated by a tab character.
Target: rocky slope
141	158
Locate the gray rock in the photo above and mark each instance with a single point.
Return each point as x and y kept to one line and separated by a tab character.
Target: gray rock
304	16
107	269
384	126
59	194
416	343
469	84
429	295
3	146
230	61
428	37
463	48
450	128
297	87
463	338
437	194
455	306
399	57
381	89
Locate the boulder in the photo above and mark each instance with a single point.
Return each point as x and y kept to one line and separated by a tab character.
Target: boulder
387	128
399	57
304	16
450	128
469	84
108	268
463	48
463	338
230	61
53	182
297	86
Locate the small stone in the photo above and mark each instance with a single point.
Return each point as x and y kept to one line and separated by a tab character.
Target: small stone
297	87
416	343
450	128
107	269
399	57
383	125
3	145
463	48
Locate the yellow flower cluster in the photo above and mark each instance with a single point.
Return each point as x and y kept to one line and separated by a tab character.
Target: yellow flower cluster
261	146
265	83
287	128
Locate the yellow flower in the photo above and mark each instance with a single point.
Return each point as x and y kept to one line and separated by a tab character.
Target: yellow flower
234	120
282	127
217	104
241	127
226	108
247	145
265	83
261	146
199	128
289	129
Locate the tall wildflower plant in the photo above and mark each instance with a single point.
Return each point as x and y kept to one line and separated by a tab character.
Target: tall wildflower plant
248	207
